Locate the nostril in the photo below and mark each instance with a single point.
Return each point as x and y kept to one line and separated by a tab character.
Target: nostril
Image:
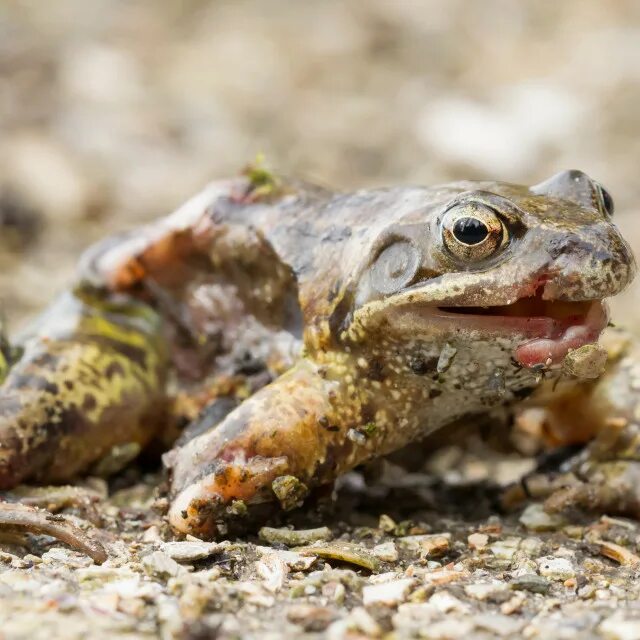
558	246
578	249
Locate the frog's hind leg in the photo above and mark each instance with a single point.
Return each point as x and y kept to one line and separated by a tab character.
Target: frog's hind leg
91	377
605	476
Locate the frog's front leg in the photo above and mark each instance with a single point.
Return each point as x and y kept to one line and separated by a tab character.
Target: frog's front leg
605	475
297	433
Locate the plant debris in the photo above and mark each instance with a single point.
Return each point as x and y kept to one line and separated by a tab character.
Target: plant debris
22	519
290	492
344	552
293	537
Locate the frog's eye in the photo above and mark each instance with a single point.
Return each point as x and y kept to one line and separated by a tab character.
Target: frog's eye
605	201
473	232
395	267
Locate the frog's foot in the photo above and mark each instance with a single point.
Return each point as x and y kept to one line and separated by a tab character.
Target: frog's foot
608	487
226	496
606	472
603	478
233	469
605	413
19	520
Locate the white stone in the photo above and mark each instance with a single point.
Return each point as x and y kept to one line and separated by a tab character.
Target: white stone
556	568
617	627
444	602
535	518
389	593
485	590
189	551
505	549
386	551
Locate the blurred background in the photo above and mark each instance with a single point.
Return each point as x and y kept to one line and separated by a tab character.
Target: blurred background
112	112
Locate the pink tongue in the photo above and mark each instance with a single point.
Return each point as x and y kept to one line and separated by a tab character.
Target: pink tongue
553	350
540	351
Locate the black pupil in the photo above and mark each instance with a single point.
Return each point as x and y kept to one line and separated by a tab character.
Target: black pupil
470	230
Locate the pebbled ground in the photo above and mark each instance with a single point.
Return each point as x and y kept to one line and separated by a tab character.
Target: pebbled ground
422	555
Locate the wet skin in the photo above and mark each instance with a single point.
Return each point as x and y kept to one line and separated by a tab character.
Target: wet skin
378	317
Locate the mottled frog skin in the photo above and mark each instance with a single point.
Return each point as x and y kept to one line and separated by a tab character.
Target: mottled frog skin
358	322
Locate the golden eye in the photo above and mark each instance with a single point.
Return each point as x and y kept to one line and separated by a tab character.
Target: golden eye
473	232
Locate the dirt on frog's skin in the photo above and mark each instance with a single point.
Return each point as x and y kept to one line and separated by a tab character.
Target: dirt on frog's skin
412	555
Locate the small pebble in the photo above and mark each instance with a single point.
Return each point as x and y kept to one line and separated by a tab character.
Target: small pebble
530	582
159	564
388	593
387	552
478	541
586	363
290	491
535	518
505	549
189	551
556	568
485	591
344	552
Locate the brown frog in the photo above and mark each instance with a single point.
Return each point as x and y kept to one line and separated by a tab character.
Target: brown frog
358	322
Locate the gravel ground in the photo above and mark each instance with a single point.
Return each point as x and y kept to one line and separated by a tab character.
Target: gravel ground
411	557
112	112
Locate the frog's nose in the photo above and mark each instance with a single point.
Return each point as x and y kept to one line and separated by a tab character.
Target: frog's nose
576	186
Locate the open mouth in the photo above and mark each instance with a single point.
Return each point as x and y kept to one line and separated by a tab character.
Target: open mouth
550	328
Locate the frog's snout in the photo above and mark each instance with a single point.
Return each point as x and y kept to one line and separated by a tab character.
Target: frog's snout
591	264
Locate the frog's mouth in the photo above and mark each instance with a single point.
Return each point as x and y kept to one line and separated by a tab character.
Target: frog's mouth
549	328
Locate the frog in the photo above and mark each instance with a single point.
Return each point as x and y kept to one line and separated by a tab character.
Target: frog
343	326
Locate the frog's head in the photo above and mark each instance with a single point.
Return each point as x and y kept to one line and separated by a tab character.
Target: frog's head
530	266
